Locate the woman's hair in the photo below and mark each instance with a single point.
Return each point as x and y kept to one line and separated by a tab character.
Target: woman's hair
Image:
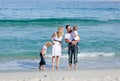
60	31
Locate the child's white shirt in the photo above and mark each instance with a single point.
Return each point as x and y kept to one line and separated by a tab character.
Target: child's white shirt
74	37
45	48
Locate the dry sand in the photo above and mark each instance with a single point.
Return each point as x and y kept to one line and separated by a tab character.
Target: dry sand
63	75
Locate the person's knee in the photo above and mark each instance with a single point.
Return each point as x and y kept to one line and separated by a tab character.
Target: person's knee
57	56
53	56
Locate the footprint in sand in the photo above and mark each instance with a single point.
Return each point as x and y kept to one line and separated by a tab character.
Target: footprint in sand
68	79
36	79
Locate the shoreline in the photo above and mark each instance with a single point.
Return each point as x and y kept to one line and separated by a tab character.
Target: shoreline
83	63
63	75
50	69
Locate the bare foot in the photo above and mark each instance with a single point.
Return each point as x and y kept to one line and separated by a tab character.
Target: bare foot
69	67
57	68
75	66
52	68
39	67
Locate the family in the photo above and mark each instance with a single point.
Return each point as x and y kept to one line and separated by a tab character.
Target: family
71	38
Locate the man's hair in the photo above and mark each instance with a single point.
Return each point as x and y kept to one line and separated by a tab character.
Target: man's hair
67	26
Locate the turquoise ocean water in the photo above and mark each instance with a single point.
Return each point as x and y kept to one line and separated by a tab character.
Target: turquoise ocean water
26	25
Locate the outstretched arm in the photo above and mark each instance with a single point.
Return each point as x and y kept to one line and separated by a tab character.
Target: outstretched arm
43	52
54	34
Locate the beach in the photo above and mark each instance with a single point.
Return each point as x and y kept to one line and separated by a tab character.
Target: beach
63	75
24	29
25	26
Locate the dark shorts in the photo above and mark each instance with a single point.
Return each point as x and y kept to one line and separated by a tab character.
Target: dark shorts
42	60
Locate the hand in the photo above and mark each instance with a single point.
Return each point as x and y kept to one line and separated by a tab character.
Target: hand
43	55
73	43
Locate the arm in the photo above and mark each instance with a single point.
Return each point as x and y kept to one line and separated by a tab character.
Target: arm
78	39
67	41
75	34
67	37
75	41
43	52
54	34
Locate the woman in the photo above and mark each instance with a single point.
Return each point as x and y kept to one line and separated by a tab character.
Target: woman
57	46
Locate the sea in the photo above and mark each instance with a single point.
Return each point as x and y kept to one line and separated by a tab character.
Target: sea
25	26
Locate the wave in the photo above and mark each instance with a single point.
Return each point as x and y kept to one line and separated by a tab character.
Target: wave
18	65
32	64
59	20
64	55
29	63
96	54
91	55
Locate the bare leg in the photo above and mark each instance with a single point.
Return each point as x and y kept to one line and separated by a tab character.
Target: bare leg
53	59
75	66
39	66
69	67
57	62
43	67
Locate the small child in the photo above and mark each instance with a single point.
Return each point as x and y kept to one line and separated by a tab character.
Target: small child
74	34
42	55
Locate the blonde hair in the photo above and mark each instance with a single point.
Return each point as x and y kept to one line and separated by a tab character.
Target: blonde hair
60	31
48	43
75	27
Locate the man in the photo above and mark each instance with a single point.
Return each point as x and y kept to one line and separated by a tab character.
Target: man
72	47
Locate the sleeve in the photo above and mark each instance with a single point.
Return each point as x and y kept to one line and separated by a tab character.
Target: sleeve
66	36
44	47
76	32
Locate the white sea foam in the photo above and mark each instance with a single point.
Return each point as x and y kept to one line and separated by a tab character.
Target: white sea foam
91	61
87	54
96	54
19	65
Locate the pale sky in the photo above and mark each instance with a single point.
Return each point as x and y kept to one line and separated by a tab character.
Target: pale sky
91	0
64	0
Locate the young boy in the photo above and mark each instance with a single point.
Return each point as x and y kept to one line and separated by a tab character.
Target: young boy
74	34
42	55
